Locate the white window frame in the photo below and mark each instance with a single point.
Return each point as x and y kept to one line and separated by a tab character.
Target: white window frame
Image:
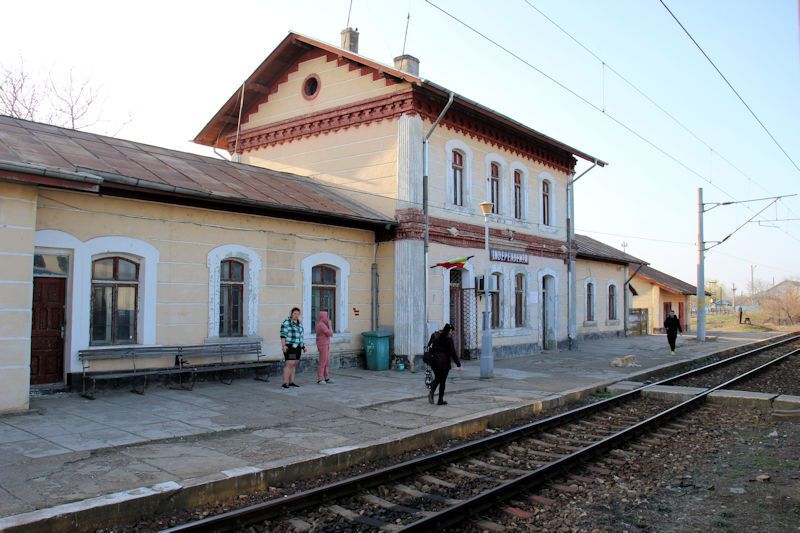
525	215
525	300
342	266
613	321
502	186
252	271
80	284
466	185
552	227
586	282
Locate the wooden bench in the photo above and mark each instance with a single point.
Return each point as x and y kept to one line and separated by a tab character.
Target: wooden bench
189	361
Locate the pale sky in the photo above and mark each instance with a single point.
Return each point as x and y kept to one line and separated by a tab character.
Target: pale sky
170	65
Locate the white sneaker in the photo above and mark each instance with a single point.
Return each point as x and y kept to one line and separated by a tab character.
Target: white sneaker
320	382
329	380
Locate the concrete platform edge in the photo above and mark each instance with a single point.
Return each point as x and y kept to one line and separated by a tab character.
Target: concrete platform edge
116	509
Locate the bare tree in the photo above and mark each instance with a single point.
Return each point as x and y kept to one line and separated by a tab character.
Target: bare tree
20	95
71	102
783	304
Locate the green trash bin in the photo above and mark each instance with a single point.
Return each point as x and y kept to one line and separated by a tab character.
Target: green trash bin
376	344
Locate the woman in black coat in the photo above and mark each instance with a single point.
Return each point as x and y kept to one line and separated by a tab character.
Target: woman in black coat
443	350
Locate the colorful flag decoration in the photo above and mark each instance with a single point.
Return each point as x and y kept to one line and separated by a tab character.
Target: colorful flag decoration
454	262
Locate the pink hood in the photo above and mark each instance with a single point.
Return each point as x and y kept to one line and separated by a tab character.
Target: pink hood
323	329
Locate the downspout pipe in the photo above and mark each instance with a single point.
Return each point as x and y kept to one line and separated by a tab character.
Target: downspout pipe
571	274
425	238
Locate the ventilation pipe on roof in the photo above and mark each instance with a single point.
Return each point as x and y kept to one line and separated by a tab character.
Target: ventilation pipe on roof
407	63
350	39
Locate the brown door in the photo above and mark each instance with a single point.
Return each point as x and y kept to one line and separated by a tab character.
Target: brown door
47	337
456	311
681	313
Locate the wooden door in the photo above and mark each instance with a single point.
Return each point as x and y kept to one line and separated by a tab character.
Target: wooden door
456	311
47	330
681	314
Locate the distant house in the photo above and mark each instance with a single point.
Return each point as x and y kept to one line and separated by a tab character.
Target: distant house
602	302
776	291
655	294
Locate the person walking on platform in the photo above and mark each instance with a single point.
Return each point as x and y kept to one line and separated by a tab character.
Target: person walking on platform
443	351
292	346
324	334
672	325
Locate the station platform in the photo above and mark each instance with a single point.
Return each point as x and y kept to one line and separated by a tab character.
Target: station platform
70	452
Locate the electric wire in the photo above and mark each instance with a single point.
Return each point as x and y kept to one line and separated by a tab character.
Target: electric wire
587	102
645	96
730	85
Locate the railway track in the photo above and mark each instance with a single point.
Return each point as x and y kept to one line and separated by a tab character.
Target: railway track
446	489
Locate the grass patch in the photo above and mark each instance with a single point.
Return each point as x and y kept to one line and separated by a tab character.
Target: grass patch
603	394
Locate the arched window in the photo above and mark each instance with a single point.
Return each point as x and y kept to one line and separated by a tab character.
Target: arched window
114	301
519	300
518	194
457	191
612	302
323	293
589	302
231	297
495	288
494	187
546	202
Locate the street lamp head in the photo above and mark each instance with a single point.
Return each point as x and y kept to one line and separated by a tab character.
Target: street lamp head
486	208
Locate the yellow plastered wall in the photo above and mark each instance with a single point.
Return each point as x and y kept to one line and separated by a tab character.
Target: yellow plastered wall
184	237
338	86
652	297
17	223
360	162
601	273
386	288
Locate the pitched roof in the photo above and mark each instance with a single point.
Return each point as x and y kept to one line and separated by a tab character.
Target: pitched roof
776	291
593	249
121	167
666	281
290	50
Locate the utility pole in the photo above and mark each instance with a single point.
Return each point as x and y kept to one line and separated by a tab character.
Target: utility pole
752	280
733	290
701	250
701	282
624	247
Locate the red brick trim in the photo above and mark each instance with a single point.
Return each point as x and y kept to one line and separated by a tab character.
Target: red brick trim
411	100
412	227
335	119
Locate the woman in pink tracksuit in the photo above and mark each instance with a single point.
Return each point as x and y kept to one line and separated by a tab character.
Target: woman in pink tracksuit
324	334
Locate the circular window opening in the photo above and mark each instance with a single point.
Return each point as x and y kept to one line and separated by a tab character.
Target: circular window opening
311	87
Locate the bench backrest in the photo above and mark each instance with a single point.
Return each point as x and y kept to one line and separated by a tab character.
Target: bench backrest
189	350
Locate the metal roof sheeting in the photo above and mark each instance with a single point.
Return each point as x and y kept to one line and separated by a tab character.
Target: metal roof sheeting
151	168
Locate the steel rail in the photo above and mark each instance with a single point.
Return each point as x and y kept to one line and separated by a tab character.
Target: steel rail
489	498
238	518
713	366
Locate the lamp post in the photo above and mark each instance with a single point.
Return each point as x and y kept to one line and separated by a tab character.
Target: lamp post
487	359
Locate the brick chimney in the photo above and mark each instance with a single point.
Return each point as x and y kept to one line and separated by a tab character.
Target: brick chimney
350	39
407	63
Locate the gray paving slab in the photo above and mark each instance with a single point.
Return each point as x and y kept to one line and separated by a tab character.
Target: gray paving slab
75	449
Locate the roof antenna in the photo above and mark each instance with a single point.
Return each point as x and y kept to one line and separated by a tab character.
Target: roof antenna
348	14
405	37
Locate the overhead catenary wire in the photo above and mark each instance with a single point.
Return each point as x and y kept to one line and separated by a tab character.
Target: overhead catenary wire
643	95
730	85
588	102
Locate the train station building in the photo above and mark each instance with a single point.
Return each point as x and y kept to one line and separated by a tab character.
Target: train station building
111	243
